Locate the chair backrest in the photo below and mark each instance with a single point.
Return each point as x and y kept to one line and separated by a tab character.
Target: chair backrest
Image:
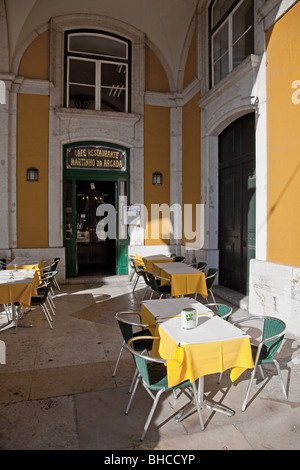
272	327
211	277
222	310
45	287
141	359
201	265
151	281
126	324
179	259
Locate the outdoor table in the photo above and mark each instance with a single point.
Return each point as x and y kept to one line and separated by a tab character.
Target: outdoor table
17	286
214	346
185	279
149	261
26	263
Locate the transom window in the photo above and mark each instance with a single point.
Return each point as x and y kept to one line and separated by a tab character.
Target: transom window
97	71
232	35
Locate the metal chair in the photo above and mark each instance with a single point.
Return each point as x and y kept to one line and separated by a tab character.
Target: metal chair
200	265
273	331
127	327
52	267
155	284
42	297
222	310
153	376
179	259
3	263
210	279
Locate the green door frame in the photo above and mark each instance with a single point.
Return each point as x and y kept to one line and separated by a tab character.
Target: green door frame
70	178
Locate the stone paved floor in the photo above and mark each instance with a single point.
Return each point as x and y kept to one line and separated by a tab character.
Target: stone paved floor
57	390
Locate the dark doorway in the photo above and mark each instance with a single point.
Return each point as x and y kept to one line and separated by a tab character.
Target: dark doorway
237	202
95	251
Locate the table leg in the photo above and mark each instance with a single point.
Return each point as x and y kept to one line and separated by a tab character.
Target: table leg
203	403
14	322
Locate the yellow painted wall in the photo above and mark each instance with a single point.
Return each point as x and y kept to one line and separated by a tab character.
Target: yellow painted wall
155	75
157	158
157	151
283	124
35	62
191	162
32	150
191	154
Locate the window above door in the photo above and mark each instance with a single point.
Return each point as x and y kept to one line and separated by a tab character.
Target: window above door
97	71
231	35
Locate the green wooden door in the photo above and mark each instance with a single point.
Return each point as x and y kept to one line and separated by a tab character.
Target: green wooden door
84	246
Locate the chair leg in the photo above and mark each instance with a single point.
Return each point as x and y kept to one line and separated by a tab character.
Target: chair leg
133	381
280	377
47	315
248	388
150	415
118	360
132	395
135	283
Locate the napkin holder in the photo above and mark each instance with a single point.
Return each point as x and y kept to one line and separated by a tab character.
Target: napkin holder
188	318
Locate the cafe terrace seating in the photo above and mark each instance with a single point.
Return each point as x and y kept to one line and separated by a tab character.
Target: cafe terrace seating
153	376
273	331
128	327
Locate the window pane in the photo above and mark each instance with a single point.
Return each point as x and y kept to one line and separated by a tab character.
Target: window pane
220	42
113	74
219	9
97	44
113	87
242	48
221	69
113	99
81	97
82	71
242	20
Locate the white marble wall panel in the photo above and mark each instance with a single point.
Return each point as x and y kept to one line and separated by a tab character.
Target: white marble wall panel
275	291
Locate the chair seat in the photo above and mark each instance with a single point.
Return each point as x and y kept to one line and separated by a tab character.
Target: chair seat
264	355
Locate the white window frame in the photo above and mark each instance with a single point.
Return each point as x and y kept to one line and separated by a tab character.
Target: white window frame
227	20
98	60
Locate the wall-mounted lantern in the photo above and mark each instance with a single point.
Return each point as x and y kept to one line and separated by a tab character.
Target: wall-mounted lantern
32	174
157	178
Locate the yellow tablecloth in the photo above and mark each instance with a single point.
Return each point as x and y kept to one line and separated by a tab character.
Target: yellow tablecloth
149	261
19	292
191	361
184	283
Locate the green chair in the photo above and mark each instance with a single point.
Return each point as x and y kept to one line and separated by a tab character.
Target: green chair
179	259
273	331
127	327
51	268
201	266
155	284
210	279
153	376
41	299
221	310
3	263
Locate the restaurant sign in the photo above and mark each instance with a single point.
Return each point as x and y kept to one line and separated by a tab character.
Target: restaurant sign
96	157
